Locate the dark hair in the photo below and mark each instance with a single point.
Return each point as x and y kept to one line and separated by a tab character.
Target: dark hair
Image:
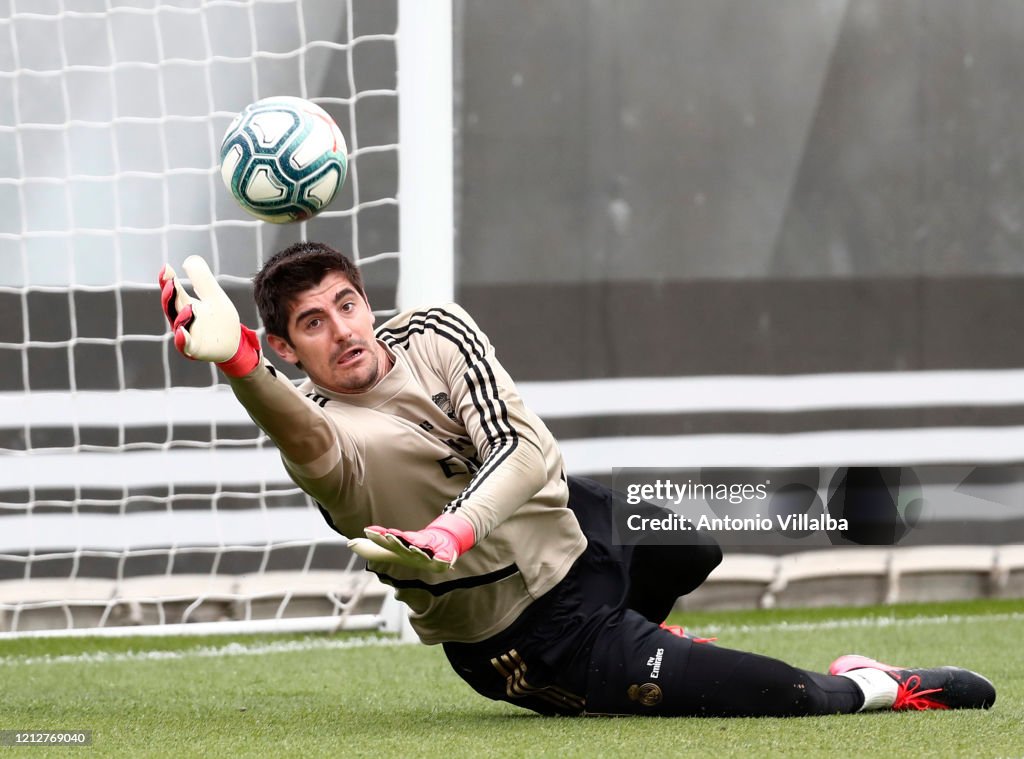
292	271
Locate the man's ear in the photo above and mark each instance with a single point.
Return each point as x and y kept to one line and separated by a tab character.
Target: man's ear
373	316
282	348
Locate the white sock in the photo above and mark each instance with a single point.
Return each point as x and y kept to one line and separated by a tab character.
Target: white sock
878	688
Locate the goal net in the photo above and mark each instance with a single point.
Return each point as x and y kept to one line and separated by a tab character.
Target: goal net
134	490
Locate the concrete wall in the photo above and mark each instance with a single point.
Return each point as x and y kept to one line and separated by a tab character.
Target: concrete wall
795	186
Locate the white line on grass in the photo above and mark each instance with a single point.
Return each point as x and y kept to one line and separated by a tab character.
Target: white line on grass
203	652
862	622
317	644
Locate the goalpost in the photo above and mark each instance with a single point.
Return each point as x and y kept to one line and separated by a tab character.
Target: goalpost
135	494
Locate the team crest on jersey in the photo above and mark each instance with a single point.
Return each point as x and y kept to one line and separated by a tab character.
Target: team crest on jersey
647	694
445	404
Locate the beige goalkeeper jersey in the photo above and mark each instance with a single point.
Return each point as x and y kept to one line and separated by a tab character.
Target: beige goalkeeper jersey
444	431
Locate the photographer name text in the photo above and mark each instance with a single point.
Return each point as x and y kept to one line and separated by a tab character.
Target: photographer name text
756	523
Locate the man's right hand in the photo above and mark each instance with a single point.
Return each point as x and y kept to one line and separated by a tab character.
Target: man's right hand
207	328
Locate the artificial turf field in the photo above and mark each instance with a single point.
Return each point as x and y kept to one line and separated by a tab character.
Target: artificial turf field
349	696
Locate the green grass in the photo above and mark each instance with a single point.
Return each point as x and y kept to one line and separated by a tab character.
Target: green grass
240	696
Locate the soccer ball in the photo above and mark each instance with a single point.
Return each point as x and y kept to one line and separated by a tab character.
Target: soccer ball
283	159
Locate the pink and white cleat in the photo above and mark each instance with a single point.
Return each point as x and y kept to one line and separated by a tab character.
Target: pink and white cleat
921	689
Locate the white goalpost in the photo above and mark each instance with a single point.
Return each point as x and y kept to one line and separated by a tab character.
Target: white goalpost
136	497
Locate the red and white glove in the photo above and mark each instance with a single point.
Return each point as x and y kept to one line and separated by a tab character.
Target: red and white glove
207	328
435	547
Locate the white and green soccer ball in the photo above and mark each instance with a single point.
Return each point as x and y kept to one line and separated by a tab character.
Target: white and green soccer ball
283	159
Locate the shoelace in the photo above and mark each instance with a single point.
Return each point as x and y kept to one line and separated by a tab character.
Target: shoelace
680	631
909	697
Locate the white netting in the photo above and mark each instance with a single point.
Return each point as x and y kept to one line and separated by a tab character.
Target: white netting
132	486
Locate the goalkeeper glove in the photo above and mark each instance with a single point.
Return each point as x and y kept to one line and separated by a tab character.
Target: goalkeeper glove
435	547
207	328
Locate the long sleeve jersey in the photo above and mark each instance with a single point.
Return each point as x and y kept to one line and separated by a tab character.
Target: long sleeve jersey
444	431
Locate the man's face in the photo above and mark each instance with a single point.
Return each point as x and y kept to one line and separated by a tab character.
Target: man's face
330	330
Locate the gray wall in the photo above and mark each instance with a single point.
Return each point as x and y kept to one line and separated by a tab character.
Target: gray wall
669	187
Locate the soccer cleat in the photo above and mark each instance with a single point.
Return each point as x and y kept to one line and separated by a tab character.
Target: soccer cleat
680	632
921	689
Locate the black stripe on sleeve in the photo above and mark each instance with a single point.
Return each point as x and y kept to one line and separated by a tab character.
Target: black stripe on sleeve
500	450
472	354
480	380
466	340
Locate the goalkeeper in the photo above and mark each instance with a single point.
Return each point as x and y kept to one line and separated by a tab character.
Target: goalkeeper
413	441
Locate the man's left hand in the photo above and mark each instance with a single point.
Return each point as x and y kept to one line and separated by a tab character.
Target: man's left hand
436	547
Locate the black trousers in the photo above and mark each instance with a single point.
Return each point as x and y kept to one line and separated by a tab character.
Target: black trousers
593	645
